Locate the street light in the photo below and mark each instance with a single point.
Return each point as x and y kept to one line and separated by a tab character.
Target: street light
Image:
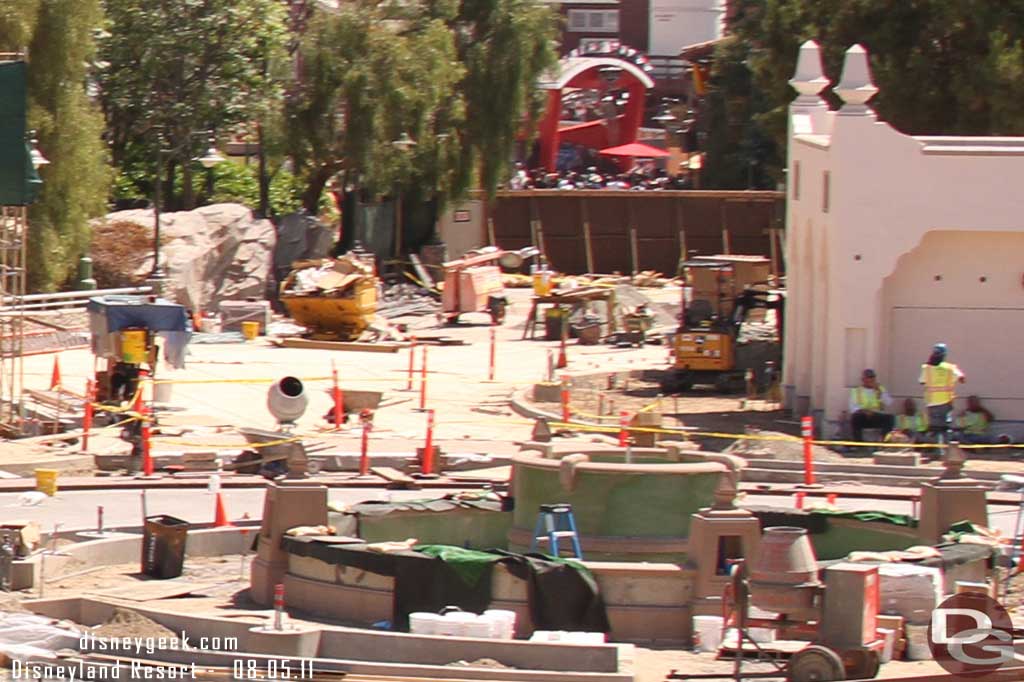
403	144
210	159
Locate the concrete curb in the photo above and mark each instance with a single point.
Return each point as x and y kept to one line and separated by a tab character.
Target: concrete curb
336	639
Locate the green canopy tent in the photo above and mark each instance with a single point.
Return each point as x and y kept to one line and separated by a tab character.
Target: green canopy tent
19	182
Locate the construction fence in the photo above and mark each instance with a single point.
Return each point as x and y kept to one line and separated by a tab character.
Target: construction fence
605	231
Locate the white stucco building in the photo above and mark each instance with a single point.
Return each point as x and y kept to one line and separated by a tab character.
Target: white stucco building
895	243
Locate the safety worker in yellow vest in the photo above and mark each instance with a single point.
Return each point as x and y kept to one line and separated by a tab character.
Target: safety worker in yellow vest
868	405
940	379
911	423
975	423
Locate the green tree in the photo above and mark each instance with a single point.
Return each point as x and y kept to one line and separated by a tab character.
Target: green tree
458	77
942	67
59	37
177	67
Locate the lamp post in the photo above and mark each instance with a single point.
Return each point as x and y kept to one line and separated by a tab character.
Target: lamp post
208	160
403	144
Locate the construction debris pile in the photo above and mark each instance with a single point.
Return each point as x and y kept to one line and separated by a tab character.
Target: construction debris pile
403	299
334	298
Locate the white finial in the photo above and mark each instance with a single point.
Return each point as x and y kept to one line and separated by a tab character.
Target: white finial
855	86
809	79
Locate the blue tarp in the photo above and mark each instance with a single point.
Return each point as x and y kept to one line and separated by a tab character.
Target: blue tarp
127	312
111	314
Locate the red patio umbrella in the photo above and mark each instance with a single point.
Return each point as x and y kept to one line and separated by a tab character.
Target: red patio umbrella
635	149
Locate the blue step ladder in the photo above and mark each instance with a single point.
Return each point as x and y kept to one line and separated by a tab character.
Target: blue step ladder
554	523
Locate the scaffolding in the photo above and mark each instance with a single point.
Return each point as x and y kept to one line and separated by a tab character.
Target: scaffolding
13	230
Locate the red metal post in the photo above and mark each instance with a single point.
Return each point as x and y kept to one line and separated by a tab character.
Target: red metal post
428	446
423	380
623	429
90	398
339	406
279	607
807	432
147	457
364	455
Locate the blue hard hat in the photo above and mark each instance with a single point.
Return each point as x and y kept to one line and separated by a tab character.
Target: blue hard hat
940	348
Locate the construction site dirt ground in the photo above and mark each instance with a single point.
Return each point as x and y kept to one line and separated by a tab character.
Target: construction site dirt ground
217	586
225	385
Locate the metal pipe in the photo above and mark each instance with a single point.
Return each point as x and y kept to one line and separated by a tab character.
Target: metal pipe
86	294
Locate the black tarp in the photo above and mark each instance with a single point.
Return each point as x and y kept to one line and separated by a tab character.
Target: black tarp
561	595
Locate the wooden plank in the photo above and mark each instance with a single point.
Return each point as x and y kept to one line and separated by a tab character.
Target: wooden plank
681	226
313	344
726	247
421	272
395	477
588	244
152	590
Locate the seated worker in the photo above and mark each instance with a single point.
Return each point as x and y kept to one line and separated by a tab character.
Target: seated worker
975	422
912	423
868	403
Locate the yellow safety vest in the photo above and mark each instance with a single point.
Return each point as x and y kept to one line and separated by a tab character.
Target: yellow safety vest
868	398
974	423
911	422
939	382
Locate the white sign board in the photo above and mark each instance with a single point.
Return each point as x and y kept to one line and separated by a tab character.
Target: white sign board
678	23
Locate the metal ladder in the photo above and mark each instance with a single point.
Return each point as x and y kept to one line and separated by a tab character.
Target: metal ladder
554	523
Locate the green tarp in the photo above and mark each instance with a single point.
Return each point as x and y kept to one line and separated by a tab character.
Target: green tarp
19	182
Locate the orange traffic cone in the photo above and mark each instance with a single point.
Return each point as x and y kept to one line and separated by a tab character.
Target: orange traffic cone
220	517
55	376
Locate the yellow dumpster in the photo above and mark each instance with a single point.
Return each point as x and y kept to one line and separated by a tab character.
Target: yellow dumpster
250	330
46	481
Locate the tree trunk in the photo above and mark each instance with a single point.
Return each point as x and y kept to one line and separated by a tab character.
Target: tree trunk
314	188
264	210
188	195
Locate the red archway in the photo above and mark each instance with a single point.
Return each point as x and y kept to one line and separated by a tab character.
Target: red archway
590	73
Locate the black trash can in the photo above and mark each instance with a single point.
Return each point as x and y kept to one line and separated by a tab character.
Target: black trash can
163	546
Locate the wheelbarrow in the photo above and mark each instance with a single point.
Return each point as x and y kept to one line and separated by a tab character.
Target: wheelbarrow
353	402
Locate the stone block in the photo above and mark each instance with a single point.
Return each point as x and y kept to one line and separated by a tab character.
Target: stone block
897	459
545	392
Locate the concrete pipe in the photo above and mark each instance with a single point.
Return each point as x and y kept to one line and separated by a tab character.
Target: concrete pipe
287	400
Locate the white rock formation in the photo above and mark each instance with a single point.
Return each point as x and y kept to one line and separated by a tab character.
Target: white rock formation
212	254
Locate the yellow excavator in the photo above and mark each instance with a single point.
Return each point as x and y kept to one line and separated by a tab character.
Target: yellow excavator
718	295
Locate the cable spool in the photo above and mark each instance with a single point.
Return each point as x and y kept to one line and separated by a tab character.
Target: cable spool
287	400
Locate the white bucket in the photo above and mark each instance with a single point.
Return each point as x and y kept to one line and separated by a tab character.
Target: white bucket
504	623
480	627
707	632
889	635
917	643
424	623
460	622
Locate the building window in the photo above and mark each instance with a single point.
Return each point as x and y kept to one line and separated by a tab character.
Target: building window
796	181
594	20
827	181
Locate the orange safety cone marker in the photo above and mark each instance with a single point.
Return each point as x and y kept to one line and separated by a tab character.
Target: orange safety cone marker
220	517
55	376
